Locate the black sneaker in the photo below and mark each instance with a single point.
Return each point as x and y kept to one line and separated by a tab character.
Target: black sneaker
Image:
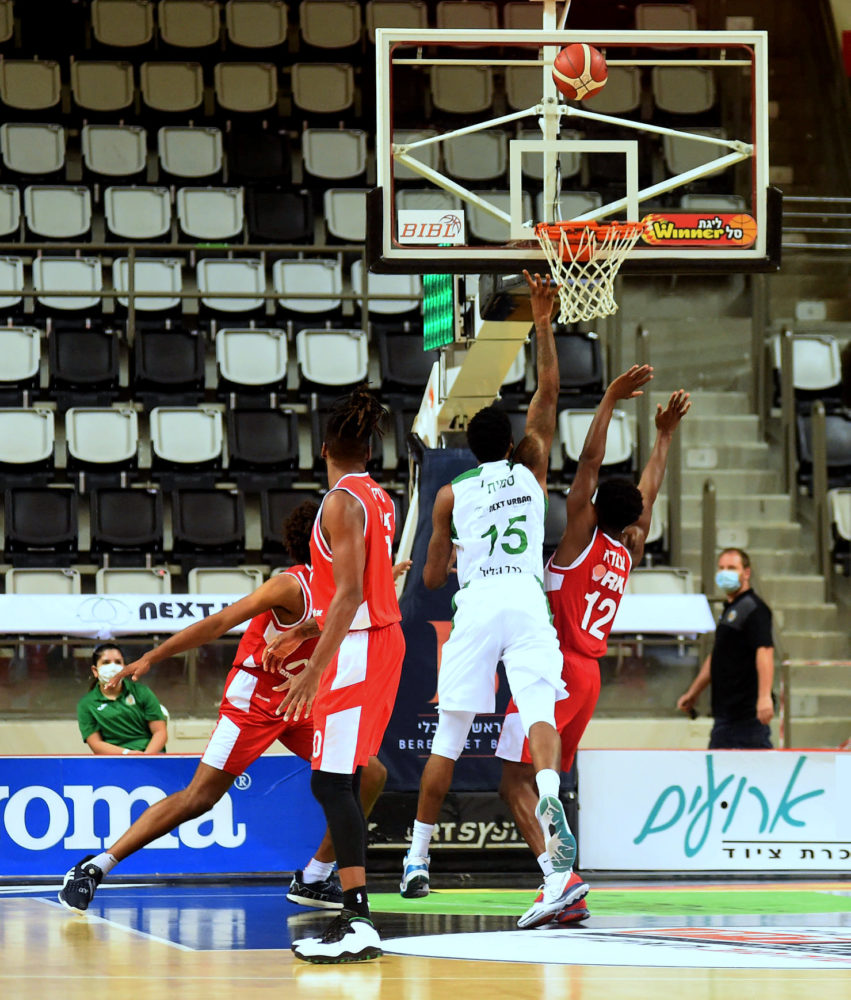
325	895
348	938
79	885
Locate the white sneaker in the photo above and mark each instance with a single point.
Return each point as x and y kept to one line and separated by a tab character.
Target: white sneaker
348	938
414	884
561	844
560	890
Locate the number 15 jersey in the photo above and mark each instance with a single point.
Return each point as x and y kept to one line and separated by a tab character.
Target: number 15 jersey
584	596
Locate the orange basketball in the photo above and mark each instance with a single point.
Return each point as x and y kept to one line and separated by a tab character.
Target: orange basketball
747	226
579	71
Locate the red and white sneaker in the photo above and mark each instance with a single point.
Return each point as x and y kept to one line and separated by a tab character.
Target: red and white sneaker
571	914
560	891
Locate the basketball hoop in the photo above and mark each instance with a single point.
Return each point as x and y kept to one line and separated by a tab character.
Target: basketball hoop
585	257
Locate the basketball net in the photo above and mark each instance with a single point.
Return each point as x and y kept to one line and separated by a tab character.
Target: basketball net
585	257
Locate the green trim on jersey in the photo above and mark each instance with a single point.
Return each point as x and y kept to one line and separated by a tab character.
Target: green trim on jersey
469	474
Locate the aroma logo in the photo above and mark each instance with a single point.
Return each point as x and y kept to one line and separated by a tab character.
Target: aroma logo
430	228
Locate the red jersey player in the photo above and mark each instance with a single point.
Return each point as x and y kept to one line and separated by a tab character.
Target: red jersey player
247	724
585	580
352	676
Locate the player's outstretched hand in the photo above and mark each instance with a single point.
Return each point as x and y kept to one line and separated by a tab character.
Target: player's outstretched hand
678	406
133	670
628	385
300	692
543	292
401	567
280	648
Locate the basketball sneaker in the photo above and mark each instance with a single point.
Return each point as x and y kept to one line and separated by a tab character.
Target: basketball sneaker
414	884
561	844
560	891
348	938
79	885
324	895
571	914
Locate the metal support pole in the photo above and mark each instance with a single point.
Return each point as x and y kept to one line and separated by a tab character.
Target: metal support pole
131	295
708	538
787	419
643	407
820	510
675	499
759	323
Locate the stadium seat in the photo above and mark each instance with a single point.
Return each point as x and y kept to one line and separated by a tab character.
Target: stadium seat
211	214
666	17
696	202
323	88
262	447
189	24
150	274
660	580
621	95
32	150
190	152
580	365
838	434
137	213
477	156
487	227
514	383
816	369
334	154
81	274
186	444
276	216
168	366
460	15
58	213
251	361
405	366
430	201
242	275
126	527
40	526
12	282
132	580
83	366
392	14
523	87
331	361
236	580
20	361
683	90
122	23
839	501
330	24
43	581
27	445
532	164
30	84
102	443
656	542
681	153
314	275
462	90
429	155
521	16
7	20
573	426
276	506
571	204
102	86
208	527
172	87
259	156
10	211
114	150
555	520
256	24
387	284
246	87
344	210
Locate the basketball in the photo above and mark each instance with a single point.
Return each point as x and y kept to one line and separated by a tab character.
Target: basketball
579	71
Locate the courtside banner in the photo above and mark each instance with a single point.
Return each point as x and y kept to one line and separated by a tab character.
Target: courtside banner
55	810
720	810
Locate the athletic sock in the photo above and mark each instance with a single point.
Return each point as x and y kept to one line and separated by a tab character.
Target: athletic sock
317	871
356	900
106	862
547	781
545	864
420	839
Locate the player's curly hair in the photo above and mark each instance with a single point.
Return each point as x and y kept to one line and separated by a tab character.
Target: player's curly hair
489	434
619	503
296	531
351	424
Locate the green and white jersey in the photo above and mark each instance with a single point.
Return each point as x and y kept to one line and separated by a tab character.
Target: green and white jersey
498	522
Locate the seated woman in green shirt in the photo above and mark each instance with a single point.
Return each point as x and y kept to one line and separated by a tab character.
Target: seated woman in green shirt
127	721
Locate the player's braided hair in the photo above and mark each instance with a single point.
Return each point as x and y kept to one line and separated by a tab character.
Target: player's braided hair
351	424
296	531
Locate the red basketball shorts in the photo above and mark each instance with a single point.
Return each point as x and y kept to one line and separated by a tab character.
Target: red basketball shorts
247	724
581	677
356	697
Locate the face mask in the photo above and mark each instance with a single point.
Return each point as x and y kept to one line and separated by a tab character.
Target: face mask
107	671
727	580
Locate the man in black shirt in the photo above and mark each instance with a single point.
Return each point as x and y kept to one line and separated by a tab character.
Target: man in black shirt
741	664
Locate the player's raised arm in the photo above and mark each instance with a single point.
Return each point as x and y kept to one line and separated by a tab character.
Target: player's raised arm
439	558
534	450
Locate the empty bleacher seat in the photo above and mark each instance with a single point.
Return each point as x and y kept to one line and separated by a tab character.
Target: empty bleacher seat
256	24
7	20
839	505
573	427
168	366
10	210
186	443
330	24
211	213
43	581
656	542
172	87
20	359
32	149
480	15
386	284
816	367
189	24
27	443
278	216
30	84
462	90
137	213
429	154
237	580
681	153
40	526
259	156
102	442
521	15
102	85
12	283
316	276
262	447
487	227
81	274
133	580
532	164
524	86
683	90
715	203
251	360
244	276
660	580
323	88
580	365
126	526
838	447
83	366
58	213
208	526
332	360
345	214
555	521
122	23
437	201
666	17
334	154
150	274
393	14
571	204
276	505
114	150
621	95
246	87
477	156
190	152
405	366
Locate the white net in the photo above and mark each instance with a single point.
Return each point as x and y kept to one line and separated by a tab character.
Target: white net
585	261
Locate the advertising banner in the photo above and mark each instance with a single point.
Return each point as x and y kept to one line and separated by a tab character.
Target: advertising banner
55	810
722	810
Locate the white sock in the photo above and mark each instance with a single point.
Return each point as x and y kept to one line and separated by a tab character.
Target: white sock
420	839
545	864
317	871
106	862
547	781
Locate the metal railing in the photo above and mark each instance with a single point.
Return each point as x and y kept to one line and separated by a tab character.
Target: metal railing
816	222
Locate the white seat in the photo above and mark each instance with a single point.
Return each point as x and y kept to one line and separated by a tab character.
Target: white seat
189	24
524	86
839	501
186	435
334	25
816	362
32	148
488	228
150	274
102	435
172	86
522	16
236	275
20	353
252	356
186	151
114	150
621	94
102	85
387	284
319	276
246	87
117	580
683	90
323	88
57	213
429	155
462	89
12	278
211	213
573	427
436	201
658	529
256	24
682	154
10	209
7	20
30	84
82	274
335	154
43	581
532	164
462	14
27	434
517	371
666	17
235	580
713	203
345	213
571	203
478	156
123	23
137	213
660	580
332	357
392	14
